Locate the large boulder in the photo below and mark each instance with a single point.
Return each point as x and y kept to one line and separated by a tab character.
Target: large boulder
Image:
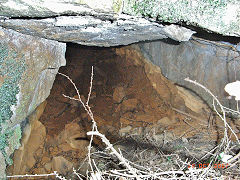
217	16
97	31
28	66
91	23
212	64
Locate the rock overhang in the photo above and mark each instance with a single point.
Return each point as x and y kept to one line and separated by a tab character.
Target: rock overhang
95	31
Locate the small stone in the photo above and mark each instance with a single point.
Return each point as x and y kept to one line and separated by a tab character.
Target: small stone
50	149
48	166
45	160
124	121
118	94
165	121
122	178
192	102
39	171
138	131
184	140
125	130
84	168
79	144
72	135
61	165
129	104
166	137
74	103
65	147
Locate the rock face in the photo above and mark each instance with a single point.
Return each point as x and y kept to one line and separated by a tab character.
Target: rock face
132	102
60	164
89	23
41	153
34	135
2	166
45	8
97	31
128	87
210	63
28	66
218	16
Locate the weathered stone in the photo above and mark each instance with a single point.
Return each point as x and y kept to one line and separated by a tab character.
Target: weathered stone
154	122
125	130
198	60
218	16
30	59
47	8
165	121
61	165
65	147
45	160
72	135
48	166
89	30
54	151
37	62
160	138
94	30
118	94
33	138
192	102
178	33
2	166
28	68
129	104
124	121
39	171
221	17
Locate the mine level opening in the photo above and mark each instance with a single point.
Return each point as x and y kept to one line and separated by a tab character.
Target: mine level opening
138	110
121	92
123	100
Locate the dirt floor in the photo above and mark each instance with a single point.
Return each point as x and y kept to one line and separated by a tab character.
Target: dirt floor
131	102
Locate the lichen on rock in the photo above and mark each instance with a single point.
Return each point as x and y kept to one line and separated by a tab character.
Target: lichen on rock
11	72
215	15
26	78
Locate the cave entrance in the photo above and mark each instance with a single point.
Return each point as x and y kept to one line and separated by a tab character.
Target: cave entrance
133	105
122	93
61	111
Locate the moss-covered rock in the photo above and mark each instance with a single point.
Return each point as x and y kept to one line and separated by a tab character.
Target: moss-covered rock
12	66
28	66
221	16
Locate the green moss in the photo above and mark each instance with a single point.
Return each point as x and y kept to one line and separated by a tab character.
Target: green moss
174	11
13	141
9	141
12	66
221	16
